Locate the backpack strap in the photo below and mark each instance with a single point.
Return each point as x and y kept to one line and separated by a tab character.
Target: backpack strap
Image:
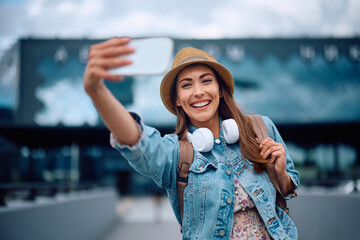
259	127
261	133
185	160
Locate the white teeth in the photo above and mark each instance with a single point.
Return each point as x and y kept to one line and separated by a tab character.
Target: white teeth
201	104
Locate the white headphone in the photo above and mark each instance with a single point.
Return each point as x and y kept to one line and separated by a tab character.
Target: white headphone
203	140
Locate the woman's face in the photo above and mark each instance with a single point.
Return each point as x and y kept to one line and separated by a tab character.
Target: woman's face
199	95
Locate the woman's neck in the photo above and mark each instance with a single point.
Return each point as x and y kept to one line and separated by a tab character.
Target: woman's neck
213	125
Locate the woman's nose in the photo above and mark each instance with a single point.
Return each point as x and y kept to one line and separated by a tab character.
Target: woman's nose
198	90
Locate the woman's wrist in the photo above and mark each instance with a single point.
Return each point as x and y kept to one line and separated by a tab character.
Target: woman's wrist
94	91
285	182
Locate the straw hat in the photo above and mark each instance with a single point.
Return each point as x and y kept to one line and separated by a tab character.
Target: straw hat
184	58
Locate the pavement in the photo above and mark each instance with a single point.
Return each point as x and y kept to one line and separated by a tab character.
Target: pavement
153	219
147	218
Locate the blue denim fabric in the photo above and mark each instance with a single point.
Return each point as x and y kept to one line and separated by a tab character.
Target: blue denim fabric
209	196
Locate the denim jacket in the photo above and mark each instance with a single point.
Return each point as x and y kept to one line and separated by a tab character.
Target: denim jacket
209	196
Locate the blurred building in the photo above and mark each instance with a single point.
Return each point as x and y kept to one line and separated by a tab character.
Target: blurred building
50	131
56	162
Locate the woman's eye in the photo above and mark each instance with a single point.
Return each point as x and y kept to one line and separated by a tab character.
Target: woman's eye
186	85
207	80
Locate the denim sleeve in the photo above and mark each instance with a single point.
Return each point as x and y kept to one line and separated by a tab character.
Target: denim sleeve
294	175
153	156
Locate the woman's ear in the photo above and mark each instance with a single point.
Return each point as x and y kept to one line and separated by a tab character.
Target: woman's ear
178	102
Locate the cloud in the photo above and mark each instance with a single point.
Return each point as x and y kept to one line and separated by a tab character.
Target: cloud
89	8
188	19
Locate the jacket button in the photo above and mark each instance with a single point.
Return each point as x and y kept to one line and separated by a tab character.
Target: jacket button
228	172
228	200
222	233
217	141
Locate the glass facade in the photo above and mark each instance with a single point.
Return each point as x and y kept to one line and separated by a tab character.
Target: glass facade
296	82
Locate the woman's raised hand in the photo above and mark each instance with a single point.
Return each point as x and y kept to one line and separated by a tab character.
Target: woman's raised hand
103	56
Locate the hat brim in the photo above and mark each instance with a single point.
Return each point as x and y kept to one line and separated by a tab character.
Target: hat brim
167	82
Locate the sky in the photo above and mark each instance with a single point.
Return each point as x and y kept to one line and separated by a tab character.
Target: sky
178	19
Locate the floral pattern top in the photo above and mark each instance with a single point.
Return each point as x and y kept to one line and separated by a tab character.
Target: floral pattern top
247	221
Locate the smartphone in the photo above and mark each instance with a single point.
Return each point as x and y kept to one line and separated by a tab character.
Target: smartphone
152	56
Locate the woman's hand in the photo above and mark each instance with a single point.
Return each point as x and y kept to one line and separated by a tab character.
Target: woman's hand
275	152
103	56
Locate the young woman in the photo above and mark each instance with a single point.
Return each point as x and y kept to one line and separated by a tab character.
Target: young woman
229	195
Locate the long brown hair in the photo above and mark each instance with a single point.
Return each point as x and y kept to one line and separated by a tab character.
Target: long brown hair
228	108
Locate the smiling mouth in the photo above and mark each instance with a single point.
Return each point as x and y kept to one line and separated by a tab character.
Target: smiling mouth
200	104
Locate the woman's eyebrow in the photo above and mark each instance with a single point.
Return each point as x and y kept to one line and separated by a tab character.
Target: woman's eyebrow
206	74
201	76
185	79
